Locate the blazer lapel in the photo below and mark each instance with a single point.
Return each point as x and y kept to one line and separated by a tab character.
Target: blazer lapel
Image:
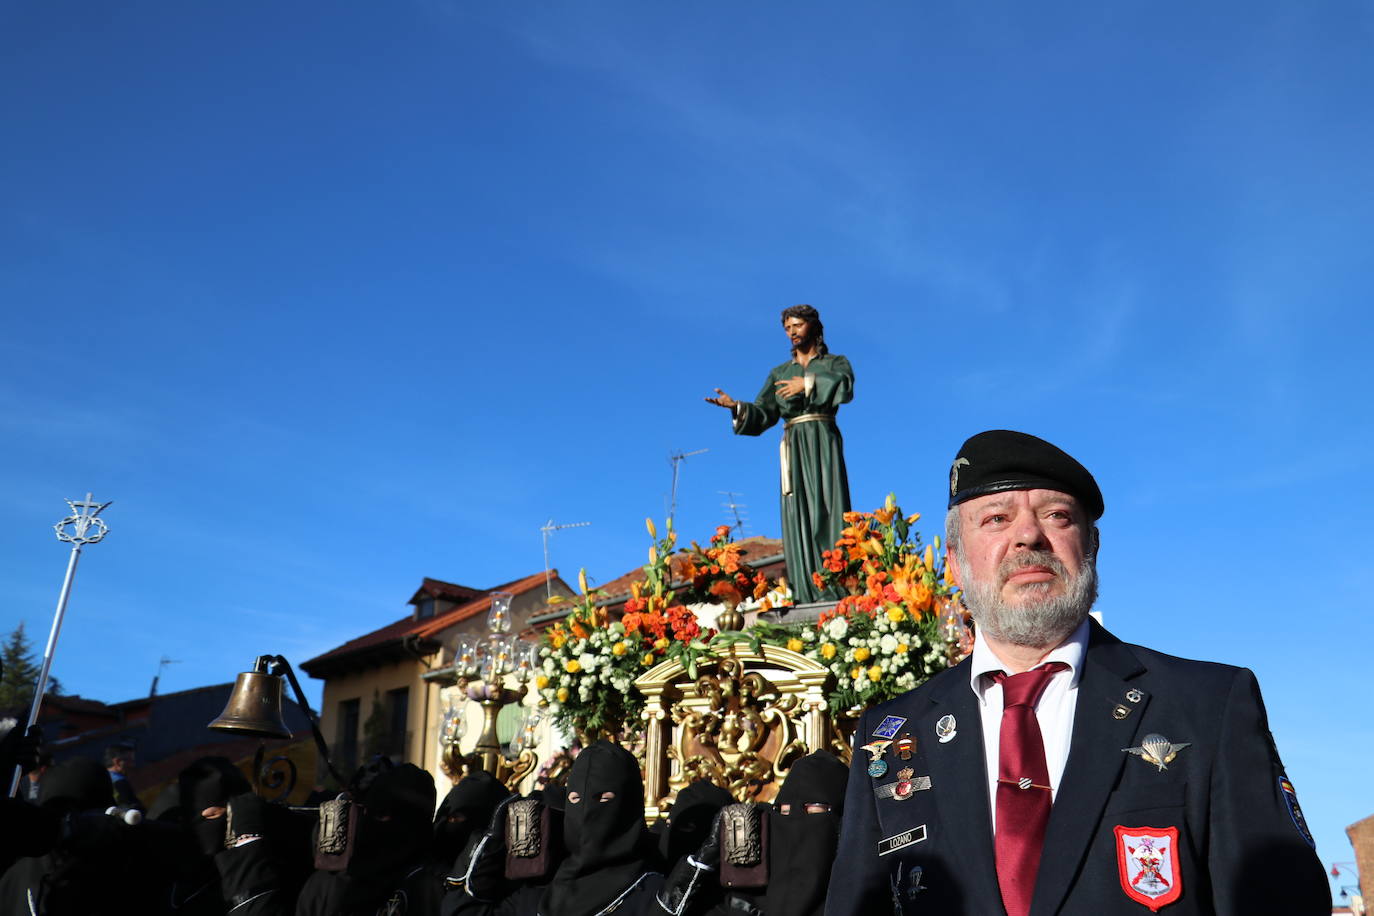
1100	731
958	774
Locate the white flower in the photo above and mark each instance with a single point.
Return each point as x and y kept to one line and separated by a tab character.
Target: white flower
888	644
837	628
588	661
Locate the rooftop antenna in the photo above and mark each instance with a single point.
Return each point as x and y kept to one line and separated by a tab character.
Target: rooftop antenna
677	458
161	666
738	509
548	529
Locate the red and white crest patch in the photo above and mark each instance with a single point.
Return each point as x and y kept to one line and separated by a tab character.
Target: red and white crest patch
1147	860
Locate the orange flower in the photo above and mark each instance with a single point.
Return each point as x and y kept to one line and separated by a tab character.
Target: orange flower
885	514
726	591
852	517
578	630
815	579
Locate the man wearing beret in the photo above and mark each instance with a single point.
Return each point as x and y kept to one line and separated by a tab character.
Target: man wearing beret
1058	770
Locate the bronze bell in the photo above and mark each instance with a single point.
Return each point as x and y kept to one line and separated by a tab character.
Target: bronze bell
254	706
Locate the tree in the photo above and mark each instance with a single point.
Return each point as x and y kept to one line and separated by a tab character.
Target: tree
20	674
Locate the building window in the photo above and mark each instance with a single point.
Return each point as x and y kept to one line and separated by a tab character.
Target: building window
398	715
346	742
425	608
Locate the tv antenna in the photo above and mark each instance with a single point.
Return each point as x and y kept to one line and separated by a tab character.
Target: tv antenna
548	529
161	667
676	459
738	509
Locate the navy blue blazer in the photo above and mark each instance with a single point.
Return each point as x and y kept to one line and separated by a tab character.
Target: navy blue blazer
1241	845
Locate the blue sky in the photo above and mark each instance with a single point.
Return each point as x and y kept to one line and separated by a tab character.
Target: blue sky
331	297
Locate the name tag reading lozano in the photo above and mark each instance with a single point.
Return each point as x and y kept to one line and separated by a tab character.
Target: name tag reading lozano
902	840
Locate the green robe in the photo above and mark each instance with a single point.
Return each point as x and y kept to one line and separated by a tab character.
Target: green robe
815	486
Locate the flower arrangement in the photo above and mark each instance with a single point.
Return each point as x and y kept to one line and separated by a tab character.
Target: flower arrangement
895	627
719	574
589	662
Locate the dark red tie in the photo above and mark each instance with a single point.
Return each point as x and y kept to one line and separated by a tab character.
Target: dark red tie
1023	786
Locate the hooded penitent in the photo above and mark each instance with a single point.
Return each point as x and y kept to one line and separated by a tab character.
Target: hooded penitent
395	830
76	785
95	853
467	809
603	828
690	819
801	843
208	783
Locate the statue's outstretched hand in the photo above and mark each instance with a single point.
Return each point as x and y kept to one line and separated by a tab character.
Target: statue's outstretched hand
722	400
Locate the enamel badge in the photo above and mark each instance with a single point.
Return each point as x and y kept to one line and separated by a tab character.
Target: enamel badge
877	766
946	729
1147	861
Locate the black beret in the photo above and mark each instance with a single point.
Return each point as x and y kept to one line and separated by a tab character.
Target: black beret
1002	459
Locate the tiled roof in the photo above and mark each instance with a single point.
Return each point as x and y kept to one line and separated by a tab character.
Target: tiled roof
441	622
438	588
394	632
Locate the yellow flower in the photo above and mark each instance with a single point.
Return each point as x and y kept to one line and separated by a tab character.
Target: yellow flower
856	672
795	645
648	658
875	674
557	640
901	648
828	651
582	580
562	694
896	614
618	648
542	681
572	666
649	524
661	644
653	555
861	654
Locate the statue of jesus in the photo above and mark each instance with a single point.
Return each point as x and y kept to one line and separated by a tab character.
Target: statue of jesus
805	393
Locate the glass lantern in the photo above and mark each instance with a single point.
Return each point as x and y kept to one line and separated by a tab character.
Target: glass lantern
499	617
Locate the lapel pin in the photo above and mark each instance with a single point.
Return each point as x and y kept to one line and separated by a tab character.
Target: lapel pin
905	746
877	766
907	785
1157	749
1120	711
1134	696
888	727
946	729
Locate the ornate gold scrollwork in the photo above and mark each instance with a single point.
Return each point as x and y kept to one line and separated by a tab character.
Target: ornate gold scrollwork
740	723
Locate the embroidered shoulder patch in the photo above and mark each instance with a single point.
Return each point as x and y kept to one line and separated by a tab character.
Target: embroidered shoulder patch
1290	798
1147	861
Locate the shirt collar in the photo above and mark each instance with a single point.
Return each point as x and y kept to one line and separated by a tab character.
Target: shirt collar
984	662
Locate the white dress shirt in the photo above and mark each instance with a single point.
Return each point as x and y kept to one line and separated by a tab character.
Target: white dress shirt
1054	712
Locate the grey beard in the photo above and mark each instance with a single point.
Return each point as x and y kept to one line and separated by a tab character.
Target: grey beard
1040	622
